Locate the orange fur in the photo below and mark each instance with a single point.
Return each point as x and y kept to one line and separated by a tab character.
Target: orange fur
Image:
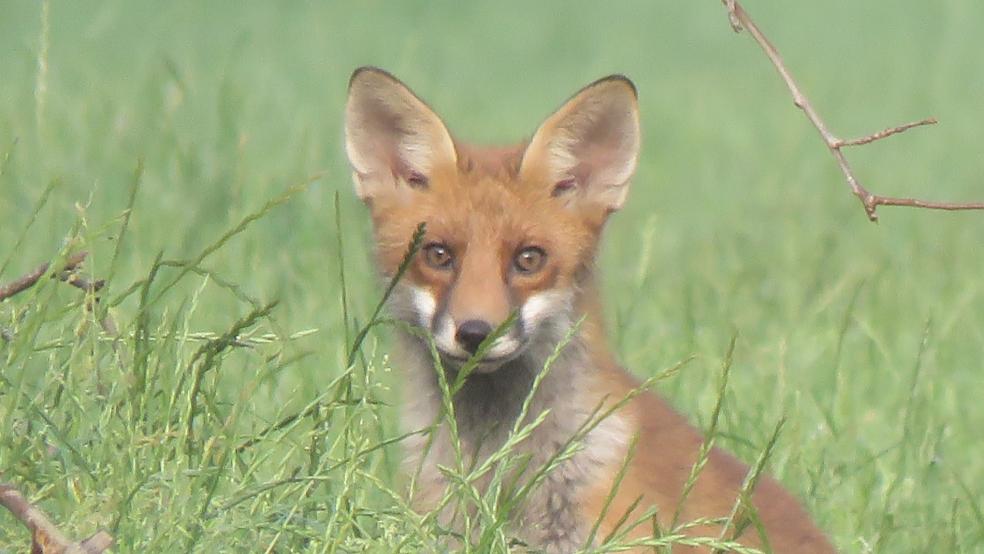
483	208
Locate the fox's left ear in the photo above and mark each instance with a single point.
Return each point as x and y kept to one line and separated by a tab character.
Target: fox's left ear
587	150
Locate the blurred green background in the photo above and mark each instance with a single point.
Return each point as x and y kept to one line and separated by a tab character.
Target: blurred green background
739	221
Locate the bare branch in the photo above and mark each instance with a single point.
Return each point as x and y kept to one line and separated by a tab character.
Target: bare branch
740	20
886	133
69	275
732	15
30	279
80	282
45	537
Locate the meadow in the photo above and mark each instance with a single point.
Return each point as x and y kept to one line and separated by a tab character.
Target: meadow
219	396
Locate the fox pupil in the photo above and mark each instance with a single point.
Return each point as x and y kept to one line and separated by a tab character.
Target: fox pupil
437	256
530	259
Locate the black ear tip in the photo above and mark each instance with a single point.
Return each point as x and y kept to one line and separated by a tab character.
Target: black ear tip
621	79
616	80
368	71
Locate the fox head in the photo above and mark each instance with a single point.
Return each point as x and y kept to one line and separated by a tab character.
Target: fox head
508	230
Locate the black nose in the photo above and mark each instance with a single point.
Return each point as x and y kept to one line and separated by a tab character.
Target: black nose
471	333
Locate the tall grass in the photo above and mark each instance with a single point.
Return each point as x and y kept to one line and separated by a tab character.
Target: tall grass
231	389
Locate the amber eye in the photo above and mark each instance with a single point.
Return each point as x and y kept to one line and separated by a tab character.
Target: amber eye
530	259
438	256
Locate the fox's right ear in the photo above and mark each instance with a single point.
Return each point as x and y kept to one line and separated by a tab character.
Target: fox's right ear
393	140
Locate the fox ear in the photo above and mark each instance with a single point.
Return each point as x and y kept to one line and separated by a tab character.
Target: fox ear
393	140
587	150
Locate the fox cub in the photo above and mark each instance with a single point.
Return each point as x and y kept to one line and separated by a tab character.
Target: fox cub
515	231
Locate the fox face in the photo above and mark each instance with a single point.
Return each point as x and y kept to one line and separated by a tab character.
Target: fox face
508	230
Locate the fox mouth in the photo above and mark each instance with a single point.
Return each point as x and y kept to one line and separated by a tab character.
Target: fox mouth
485	364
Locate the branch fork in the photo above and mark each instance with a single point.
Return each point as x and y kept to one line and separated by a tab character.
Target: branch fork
740	20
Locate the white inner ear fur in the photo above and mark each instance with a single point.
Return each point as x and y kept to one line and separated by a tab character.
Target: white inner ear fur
390	134
592	139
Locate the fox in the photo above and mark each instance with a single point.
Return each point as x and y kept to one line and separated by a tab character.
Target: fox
508	257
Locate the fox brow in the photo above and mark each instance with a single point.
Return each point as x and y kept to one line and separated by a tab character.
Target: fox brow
495	161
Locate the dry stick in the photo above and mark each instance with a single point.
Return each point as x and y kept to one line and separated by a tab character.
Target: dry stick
739	20
80	282
30	279
45	537
67	275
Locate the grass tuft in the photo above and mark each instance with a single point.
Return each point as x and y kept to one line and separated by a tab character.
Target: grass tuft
182	409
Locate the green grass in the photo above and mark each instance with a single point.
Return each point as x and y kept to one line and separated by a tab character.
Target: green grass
239	299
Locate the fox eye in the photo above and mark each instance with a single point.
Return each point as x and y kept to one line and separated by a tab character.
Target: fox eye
438	255
530	259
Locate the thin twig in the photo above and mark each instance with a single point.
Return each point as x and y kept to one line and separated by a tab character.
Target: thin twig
45	536
886	133
80	282
735	23
30	279
741	20
68	275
